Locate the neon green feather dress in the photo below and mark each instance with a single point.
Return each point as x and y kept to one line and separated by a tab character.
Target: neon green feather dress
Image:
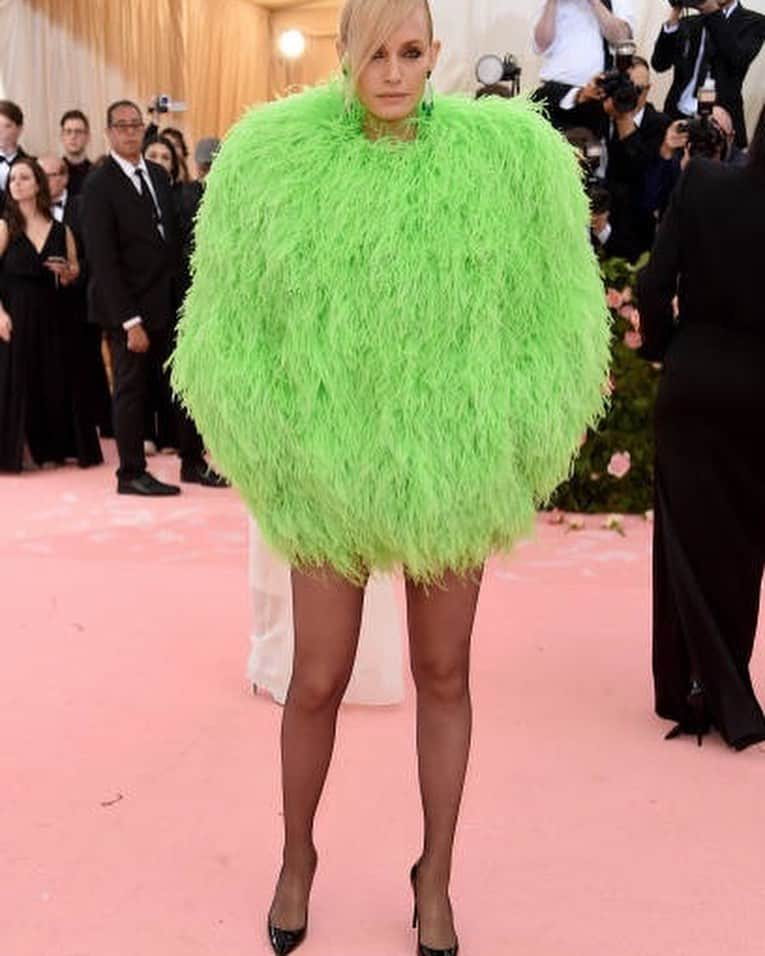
393	349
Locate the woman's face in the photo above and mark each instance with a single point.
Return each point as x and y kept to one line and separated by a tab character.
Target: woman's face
392	85
22	183
159	153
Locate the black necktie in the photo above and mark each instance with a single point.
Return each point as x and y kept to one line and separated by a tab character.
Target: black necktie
147	198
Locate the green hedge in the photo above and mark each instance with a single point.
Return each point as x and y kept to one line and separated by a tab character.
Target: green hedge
627	429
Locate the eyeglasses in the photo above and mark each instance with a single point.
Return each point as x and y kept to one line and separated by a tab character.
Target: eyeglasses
128	127
76	131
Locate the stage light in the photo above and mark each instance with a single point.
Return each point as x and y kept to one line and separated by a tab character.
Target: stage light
292	44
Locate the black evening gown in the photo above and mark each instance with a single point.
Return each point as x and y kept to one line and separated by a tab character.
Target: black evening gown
709	537
34	394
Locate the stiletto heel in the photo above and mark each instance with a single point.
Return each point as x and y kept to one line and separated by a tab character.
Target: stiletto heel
423	950
284	941
698	721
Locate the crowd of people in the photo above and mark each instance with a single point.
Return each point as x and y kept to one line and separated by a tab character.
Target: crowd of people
94	272
95	266
597	91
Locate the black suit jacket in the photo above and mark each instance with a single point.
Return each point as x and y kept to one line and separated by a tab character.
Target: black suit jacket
132	267
732	43
629	161
708	251
76	292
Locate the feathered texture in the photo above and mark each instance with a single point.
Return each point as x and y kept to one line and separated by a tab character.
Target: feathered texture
393	349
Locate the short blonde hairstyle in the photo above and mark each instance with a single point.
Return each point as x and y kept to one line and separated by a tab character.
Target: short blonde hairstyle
366	24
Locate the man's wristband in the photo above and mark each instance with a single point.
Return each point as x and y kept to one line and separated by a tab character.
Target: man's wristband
132	323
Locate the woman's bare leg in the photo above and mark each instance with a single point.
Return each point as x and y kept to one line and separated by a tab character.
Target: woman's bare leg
440	628
327	619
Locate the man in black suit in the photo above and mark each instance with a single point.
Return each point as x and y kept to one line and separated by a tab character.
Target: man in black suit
132	245
633	143
722	42
75	136
11	125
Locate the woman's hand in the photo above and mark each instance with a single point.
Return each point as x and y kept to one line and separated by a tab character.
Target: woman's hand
62	269
6	326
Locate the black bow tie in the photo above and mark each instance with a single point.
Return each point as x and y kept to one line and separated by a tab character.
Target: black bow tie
58	204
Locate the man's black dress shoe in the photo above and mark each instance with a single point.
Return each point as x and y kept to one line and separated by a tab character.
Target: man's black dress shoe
147	485
200	473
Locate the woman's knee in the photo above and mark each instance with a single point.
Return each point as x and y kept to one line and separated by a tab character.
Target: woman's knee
445	679
318	690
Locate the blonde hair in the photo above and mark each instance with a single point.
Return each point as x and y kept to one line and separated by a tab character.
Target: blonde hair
366	24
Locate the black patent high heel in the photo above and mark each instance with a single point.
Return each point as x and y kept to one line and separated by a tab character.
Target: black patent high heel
284	941
699	722
423	950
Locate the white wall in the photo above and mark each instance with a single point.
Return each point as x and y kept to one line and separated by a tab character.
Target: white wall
469	28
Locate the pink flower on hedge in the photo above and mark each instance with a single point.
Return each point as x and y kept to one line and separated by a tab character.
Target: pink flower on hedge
627	294
620	464
614	298
635	320
633	340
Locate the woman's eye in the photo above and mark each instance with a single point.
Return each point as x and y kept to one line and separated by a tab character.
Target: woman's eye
380	55
414	54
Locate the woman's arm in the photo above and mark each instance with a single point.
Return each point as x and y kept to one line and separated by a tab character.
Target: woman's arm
6	326
72	259
657	284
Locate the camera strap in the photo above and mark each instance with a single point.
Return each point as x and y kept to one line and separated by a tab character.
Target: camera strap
608	57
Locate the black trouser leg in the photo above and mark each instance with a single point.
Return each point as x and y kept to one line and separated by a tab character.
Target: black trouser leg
131	384
190	444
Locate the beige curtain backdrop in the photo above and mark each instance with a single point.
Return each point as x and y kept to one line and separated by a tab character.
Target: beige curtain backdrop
320	60
220	56
59	54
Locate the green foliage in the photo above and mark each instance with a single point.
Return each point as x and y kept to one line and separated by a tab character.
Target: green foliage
628	426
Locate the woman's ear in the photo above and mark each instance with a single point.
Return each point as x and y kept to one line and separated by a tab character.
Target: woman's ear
435	52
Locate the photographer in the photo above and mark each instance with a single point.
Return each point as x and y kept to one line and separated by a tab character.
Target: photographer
633	131
573	38
711	137
709	532
722	42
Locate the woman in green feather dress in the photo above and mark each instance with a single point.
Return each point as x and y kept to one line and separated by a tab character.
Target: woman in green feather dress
395	338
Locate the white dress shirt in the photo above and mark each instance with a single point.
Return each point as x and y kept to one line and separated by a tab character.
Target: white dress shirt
576	53
688	103
58	206
6	159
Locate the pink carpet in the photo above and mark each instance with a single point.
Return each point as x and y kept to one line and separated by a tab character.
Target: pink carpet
139	780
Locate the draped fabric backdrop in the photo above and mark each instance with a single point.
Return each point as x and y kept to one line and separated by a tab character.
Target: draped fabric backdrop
220	56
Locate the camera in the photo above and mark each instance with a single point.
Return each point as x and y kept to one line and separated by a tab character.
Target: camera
492	69
617	85
597	192
163	103
705	138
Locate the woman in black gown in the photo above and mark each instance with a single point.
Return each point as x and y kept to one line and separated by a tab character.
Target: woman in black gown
709	541
38	258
